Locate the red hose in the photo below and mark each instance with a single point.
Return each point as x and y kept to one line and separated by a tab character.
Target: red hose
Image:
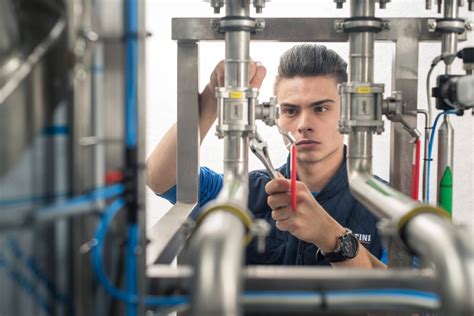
415	171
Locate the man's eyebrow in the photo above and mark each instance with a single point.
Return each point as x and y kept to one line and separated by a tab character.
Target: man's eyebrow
288	105
317	103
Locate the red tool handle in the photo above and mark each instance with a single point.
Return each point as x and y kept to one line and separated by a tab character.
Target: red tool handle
293	177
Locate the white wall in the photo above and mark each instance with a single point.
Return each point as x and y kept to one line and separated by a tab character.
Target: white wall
161	87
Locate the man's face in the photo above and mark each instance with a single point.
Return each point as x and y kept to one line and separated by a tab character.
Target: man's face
309	109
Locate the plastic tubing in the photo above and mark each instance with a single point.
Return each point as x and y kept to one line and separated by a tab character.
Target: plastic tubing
416	171
131	267
98	265
131	51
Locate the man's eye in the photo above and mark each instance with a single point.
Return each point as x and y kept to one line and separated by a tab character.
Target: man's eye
320	109
288	112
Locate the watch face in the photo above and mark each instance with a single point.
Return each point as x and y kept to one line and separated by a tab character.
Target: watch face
349	246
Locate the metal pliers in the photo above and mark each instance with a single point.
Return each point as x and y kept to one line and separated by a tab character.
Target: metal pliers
260	149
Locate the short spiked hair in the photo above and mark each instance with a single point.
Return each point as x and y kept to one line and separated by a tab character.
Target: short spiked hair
309	60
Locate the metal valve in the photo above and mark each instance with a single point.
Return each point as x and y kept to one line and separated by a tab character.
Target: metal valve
267	112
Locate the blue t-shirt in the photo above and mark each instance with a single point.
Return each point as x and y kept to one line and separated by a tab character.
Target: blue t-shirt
282	248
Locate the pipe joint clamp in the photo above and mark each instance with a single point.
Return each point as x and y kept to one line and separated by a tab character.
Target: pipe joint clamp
421	209
361	24
236	110
361	106
245	217
447	25
237	23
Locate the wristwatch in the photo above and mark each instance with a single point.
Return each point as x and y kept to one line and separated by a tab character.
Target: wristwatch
347	248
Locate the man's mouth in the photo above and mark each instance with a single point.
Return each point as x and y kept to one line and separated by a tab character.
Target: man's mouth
306	142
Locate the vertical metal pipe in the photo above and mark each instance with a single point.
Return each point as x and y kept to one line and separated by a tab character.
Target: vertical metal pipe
445	150
236	59
235	169
449	41
451	9
359	156
362	56
218	240
217	274
361	44
237	47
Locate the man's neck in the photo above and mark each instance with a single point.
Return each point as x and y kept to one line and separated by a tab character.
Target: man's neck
317	174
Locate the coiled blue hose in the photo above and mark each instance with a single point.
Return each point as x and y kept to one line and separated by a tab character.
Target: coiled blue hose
98	265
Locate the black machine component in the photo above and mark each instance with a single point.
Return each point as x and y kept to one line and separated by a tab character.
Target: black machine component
456	92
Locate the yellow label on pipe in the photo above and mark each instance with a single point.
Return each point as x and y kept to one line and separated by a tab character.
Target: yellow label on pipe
364	90
237	95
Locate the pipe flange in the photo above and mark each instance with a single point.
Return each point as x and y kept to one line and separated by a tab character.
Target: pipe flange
346	127
447	25
420	210
237	23
225	93
245	216
363	24
244	128
361	88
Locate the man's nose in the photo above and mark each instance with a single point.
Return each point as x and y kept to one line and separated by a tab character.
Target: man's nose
304	123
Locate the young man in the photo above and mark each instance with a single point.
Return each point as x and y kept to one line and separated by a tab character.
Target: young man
329	226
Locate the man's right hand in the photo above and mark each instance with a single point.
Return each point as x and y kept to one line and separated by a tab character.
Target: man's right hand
208	104
161	164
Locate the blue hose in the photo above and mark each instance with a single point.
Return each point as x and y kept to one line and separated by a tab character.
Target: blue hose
131	72
131	267
98	265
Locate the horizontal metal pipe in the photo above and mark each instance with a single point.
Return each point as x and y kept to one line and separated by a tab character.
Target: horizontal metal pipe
309	303
299	278
436	239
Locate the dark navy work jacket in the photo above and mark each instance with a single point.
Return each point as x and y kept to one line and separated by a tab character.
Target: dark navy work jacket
282	248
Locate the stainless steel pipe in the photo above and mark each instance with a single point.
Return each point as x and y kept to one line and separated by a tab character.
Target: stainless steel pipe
436	239
217	273
236	179
449	40
378	197
445	147
218	242
361	44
